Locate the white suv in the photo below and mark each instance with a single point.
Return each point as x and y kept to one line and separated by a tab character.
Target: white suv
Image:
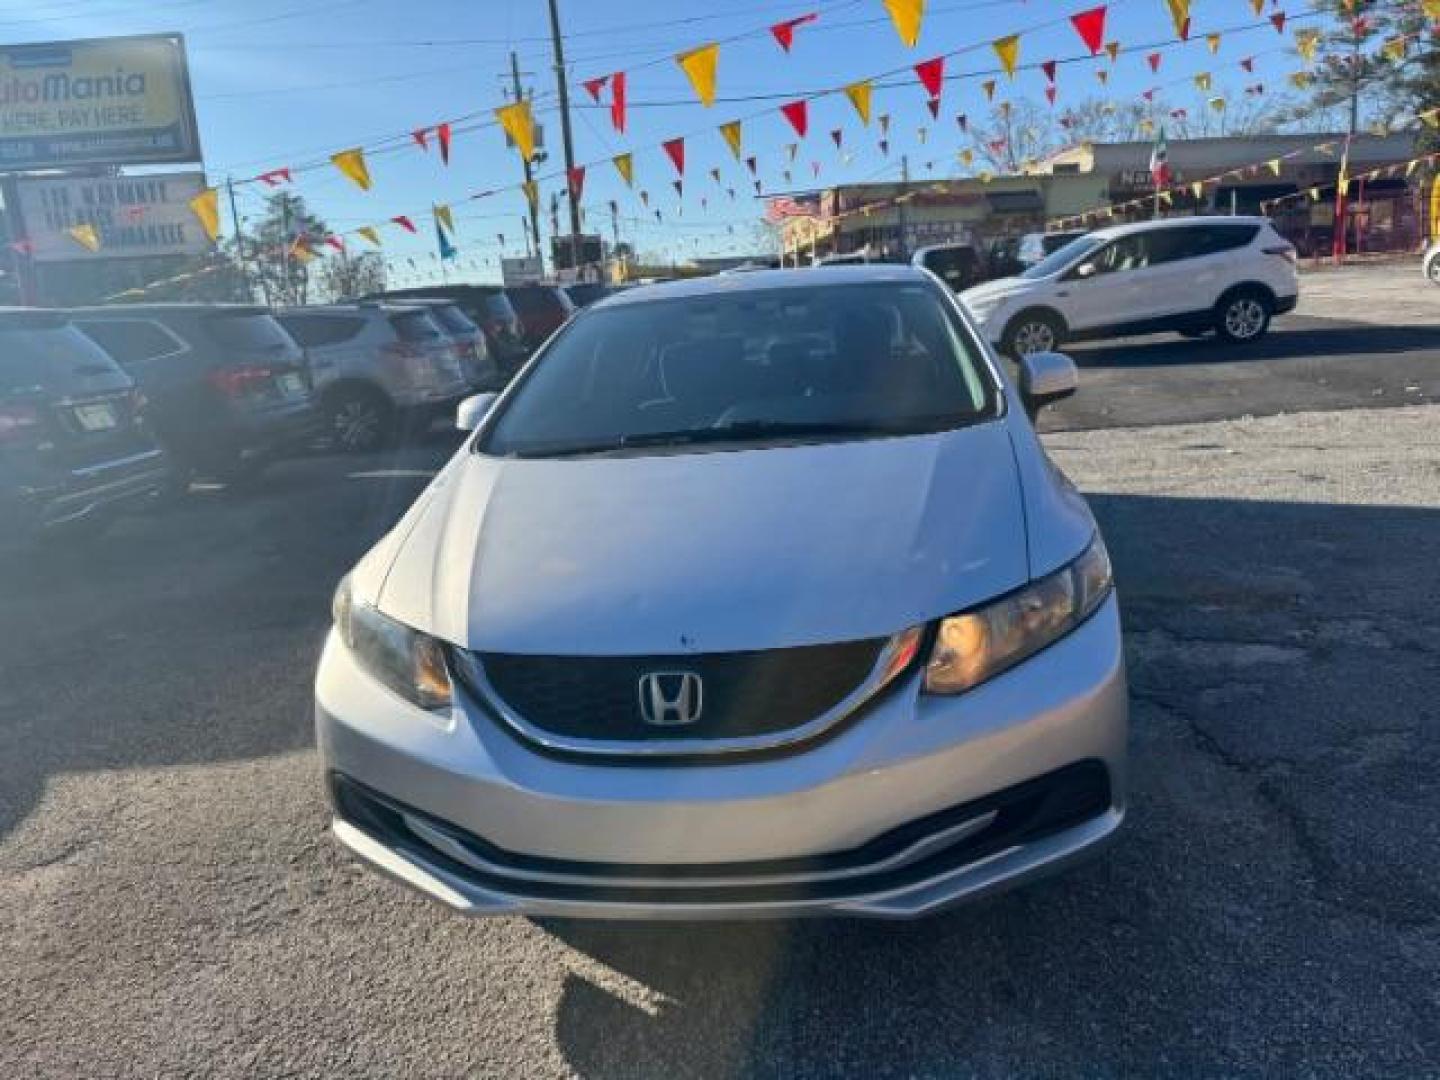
1189	275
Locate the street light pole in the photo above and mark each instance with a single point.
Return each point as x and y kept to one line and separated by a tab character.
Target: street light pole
562	85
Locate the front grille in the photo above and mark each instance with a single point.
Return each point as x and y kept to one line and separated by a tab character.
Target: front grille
1022	814
742	695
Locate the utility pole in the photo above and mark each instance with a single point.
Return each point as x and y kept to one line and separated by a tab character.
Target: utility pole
240	248
285	246
904	218
562	85
615	239
529	172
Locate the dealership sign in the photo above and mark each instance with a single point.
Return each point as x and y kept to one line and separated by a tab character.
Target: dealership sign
132	215
121	101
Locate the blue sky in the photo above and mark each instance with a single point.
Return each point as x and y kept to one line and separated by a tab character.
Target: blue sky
285	82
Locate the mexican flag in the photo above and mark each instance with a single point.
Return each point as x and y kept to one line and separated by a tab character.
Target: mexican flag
1160	161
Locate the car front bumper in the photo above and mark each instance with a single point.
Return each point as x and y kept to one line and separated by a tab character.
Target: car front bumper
922	802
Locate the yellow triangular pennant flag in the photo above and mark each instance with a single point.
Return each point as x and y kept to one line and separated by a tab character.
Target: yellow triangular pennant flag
1431	8
1008	50
206	207
1147	126
986	176
732	135
301	251
352	164
699	64
1394	48
1306	42
444	218
86	236
519	125
1273	165
370	233
989	87
1258	6
1300	79
859	95
907	16
1432	118
1180	16
1218	104
625	166
1202	81
1213	41
1113	49
967	156
532	195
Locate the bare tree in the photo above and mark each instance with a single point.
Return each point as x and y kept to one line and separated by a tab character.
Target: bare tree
345	277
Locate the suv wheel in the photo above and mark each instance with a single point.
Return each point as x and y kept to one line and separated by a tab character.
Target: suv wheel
1031	332
1243	316
358	420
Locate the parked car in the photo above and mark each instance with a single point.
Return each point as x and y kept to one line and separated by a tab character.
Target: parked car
1189	275
958	264
754	596
1002	257
586	293
1036	245
1430	263
467	339
227	387
379	369
73	447
490	309
543	309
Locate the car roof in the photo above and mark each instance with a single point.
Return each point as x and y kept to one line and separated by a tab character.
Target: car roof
1114	232
172	308
765	280
379	307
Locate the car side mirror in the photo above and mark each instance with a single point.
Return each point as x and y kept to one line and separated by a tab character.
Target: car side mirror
470	412
1085	270
1045	378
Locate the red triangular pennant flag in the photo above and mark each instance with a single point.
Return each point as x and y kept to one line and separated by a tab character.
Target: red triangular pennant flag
577	183
679	187
785	31
750	164
934	106
884	146
798	113
1278	21
335	242
275	176
1050	94
594	86
1154	59
675	149
404	222
617	101
442	136
1090	25
1248	63
1148	95
837	135
421	137
1048	67
932	75
963	121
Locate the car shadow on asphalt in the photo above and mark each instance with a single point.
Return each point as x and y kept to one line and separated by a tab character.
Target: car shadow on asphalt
188	633
1311	339
1283	754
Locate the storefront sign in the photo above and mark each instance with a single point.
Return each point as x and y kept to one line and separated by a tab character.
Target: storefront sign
521	270
132	215
107	101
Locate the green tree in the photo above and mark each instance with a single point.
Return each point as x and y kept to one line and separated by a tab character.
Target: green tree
281	270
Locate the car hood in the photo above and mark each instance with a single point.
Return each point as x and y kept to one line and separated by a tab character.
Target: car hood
994	291
714	551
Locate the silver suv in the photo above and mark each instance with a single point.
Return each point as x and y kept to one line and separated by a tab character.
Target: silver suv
378	369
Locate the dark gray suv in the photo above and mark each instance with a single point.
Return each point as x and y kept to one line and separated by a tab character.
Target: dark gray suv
73	447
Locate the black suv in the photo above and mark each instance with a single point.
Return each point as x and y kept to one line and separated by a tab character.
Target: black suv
228	387
73	447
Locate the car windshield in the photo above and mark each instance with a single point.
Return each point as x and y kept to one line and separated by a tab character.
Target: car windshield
1062	257
787	364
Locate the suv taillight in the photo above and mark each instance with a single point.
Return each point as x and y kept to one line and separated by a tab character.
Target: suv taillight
240	382
18	424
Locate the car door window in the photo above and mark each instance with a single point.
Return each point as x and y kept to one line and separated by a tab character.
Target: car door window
1174	245
1118	256
131	341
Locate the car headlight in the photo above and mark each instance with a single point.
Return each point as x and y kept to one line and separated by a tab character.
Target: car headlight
979	644
410	663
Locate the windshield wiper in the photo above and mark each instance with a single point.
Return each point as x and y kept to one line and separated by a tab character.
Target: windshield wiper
741	431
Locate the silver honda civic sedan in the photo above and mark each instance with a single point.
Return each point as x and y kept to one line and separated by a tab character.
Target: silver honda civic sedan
751	596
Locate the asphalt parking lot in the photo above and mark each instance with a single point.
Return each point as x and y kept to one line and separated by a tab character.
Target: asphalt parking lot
171	905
